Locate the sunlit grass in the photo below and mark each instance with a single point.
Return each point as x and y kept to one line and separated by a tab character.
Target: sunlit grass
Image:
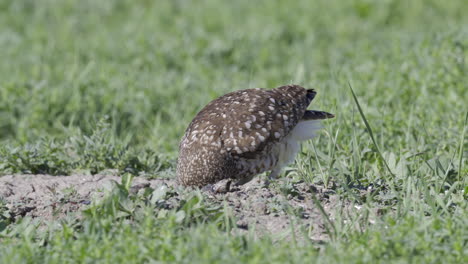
94	85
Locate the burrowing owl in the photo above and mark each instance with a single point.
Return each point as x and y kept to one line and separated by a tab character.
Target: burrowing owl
247	132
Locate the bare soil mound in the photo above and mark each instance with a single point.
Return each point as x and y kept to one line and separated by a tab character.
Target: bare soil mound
282	210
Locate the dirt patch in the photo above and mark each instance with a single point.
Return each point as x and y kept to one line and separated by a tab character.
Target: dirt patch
51	197
282	210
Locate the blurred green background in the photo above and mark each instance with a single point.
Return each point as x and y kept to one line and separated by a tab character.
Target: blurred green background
151	65
92	85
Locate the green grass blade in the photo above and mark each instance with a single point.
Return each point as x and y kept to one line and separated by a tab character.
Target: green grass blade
369	129
462	143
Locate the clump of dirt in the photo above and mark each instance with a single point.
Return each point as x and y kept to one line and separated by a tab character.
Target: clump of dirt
283	209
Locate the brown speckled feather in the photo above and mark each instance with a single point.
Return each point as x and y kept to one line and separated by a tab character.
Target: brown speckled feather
233	135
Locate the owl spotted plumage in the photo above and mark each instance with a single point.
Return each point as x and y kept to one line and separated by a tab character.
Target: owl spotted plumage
247	132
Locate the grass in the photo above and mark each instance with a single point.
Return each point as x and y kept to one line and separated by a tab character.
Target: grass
87	86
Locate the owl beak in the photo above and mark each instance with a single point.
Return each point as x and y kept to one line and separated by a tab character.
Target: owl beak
316	115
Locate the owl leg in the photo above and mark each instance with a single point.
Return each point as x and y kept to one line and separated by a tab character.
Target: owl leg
273	174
